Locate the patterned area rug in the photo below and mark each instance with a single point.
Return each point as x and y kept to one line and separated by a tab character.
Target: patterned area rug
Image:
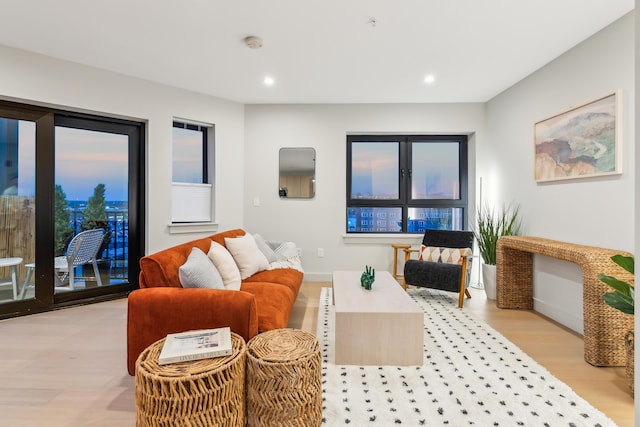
471	376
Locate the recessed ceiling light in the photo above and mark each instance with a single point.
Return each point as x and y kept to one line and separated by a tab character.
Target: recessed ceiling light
429	78
269	81
254	42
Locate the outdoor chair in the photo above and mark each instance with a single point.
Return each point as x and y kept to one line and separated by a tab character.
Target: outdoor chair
444	262
82	250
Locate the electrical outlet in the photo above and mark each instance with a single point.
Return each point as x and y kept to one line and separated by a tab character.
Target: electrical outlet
320	252
299	251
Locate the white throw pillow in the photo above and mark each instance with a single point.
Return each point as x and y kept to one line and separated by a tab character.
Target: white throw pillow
265	248
225	264
199	272
246	254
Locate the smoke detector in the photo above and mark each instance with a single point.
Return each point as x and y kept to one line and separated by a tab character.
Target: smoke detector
253	42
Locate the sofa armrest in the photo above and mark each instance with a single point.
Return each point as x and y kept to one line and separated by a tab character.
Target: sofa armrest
155	312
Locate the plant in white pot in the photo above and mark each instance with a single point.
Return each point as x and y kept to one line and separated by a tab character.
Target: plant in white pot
622	298
491	224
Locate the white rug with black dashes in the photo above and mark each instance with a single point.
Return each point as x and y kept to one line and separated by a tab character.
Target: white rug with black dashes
471	376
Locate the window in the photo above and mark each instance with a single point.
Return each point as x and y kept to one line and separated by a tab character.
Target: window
189	153
191	189
406	184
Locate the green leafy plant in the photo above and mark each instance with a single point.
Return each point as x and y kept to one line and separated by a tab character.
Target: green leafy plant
493	224
95	214
62	229
622	297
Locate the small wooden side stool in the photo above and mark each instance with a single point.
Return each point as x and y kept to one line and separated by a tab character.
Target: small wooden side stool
206	392
284	385
396	247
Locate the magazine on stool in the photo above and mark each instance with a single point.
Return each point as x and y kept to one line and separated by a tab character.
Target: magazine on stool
196	345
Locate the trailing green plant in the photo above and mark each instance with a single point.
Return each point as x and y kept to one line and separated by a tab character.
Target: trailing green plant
491	224
622	297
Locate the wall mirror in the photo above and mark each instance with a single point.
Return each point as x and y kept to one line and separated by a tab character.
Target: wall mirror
297	173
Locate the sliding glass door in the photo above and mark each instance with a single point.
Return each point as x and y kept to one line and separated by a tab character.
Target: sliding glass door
91	193
83	175
17	204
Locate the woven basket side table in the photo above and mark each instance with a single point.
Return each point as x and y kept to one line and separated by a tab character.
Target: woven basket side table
206	392
284	379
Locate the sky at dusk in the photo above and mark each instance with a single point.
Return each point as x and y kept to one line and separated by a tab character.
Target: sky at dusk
434	170
84	159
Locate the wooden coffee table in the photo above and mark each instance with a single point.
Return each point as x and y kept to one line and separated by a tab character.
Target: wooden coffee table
383	326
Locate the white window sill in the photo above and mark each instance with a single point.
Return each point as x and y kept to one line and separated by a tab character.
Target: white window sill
192	227
387	239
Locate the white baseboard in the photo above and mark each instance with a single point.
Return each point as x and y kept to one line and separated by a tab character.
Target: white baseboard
317	277
556	313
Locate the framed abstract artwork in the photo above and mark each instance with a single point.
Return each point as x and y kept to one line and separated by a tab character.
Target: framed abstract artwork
581	142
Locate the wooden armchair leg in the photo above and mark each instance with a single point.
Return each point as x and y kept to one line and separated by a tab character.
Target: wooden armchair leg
463	289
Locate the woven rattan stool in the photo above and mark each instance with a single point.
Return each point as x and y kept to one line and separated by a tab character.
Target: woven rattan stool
206	392
284	379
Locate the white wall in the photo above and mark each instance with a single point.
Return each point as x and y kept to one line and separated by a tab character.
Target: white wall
39	79
596	211
321	222
578	211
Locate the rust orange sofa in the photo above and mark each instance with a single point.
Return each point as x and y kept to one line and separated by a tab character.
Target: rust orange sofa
161	306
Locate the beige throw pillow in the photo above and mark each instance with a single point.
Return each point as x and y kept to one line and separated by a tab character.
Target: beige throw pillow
448	255
247	255
226	266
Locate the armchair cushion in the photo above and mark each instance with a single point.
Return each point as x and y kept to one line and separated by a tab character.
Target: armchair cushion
436	275
446	255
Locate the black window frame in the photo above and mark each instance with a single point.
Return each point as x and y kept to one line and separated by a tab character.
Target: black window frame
405	202
46	119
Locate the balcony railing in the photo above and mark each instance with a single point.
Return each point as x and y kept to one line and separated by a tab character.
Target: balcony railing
117	248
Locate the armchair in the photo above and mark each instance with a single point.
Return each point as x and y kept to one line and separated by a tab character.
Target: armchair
443	262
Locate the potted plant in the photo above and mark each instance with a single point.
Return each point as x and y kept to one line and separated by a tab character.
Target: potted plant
492	224
622	298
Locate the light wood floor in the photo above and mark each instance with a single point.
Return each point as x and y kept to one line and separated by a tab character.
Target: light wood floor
67	368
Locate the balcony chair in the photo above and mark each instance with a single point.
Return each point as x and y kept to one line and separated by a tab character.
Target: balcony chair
82	250
444	262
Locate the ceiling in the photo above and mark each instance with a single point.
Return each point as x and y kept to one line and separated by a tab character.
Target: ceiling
329	51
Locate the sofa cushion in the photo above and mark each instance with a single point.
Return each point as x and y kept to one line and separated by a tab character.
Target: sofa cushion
199	272
246	255
283	276
225	264
274	304
161	268
265	248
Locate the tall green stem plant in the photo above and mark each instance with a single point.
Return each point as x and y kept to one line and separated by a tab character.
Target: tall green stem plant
491	225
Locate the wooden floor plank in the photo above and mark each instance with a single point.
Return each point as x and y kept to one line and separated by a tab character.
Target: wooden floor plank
68	367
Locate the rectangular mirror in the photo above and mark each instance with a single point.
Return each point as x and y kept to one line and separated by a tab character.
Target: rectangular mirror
297	173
